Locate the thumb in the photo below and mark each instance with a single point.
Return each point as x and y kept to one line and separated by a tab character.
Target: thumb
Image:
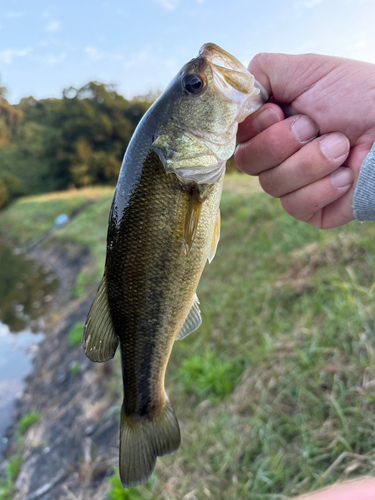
286	76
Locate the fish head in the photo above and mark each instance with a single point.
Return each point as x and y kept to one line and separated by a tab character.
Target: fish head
207	99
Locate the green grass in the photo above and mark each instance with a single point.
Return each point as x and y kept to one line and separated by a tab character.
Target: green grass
31	217
275	392
75	334
89	228
75	367
117	492
14	467
208	376
27	421
7	485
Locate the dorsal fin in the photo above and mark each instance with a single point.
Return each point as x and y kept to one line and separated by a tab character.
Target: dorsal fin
193	320
99	340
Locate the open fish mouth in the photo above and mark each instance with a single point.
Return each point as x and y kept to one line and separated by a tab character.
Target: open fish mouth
240	85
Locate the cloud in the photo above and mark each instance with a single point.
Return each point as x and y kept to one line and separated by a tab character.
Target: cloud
7	55
138	59
93	53
53	26
51	58
14	15
167	4
96	54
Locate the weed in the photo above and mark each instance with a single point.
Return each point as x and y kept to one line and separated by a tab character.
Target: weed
7	485
6	489
117	492
75	334
27	421
75	367
80	285
209	376
14	467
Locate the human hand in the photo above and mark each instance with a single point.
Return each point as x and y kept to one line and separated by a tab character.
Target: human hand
361	489
308	145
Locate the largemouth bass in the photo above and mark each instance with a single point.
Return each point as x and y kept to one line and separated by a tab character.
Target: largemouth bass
164	224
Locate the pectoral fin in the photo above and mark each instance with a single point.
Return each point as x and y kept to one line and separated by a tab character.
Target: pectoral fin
192	219
100	341
215	238
192	321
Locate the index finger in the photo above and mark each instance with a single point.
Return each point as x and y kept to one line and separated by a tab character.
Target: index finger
267	115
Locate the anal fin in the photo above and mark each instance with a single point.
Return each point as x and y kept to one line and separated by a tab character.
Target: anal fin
215	238
193	320
99	339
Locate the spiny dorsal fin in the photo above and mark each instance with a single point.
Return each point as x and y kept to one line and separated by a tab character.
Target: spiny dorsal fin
192	219
215	238
192	321
99	340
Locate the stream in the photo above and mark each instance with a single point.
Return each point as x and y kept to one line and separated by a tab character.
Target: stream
26	293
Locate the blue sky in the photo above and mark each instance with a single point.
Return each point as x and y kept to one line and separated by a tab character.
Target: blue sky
46	46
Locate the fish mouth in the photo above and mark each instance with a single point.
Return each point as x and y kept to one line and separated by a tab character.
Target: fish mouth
221	58
231	71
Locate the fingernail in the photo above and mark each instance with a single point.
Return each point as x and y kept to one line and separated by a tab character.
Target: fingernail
342	177
334	146
265	119
304	128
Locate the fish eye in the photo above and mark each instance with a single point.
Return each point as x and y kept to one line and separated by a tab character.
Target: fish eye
193	84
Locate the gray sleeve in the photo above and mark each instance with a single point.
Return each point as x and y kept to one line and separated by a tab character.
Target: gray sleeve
364	194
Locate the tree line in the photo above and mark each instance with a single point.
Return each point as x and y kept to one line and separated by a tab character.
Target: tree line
75	141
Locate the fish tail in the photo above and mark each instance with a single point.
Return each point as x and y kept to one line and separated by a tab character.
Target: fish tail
143	439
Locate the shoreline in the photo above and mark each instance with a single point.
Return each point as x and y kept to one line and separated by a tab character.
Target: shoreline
74	445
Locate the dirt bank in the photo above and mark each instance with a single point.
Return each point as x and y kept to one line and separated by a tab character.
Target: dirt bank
73	447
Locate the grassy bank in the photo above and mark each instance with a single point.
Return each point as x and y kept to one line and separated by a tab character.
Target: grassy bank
275	392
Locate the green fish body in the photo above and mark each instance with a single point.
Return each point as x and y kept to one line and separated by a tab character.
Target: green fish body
163	226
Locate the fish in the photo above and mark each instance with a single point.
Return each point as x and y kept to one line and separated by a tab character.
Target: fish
164	225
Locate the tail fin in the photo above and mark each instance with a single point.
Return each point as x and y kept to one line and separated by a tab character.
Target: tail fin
143	440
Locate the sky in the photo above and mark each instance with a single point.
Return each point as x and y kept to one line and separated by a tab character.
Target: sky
139	45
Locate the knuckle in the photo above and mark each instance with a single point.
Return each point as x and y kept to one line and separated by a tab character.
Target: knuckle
288	205
292	206
258	59
269	184
273	147
240	158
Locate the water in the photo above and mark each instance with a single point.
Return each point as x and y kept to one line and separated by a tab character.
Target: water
26	289
26	292
15	365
